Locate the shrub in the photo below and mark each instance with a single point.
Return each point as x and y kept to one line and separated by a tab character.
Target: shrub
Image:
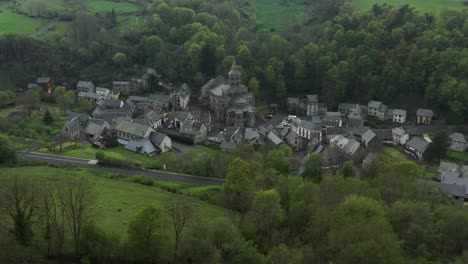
144	180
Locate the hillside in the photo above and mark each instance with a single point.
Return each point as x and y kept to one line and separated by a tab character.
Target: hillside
423	5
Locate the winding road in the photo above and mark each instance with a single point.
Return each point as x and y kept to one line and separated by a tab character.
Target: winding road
88	163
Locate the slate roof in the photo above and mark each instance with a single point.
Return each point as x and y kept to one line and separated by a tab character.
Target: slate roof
418	144
89	95
310	126
181	115
449	189
291	136
348	106
220	89
349	146
312	98
184	88
162	98
85	84
454	179
109	103
448	167
32	85
274	138
293	100
102	90
250	134
227	145
72	125
143	146
383	134
359	131
374	104
121	82
95	127
368	136
43	80
133	128
213	83
425	113
399	112
157	137
399	131
82	117
138	99
458	137
110	114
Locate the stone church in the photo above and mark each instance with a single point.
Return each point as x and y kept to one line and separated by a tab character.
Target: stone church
229	100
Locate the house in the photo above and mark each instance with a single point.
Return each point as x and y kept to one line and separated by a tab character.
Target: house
45	83
32	85
180	97
202	115
294	105
294	140
85	87
154	119
453	179
110	104
368	138
355	119
96	128
114	93
312	105
455	191
346	108
448	167
227	146
384	134
234	134
333	119
180	117
110	114
127	130
83	118
458	142
273	139
195	131
358	132
400	136
417	147
160	101
399	116
252	136
104	92
139	105
376	109
424	116
309	130
161	141
142	146
351	149
92	97
122	86
72	129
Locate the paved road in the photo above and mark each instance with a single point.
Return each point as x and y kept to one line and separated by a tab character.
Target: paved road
159	175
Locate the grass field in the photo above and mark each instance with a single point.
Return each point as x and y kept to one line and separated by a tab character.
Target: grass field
276	15
458	157
95	6
11	22
118	201
423	5
389	155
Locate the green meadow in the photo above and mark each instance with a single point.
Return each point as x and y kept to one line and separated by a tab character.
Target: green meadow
423	5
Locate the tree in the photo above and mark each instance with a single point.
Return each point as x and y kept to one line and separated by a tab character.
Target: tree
67	101
120	59
313	169
208	60
76	197
147	232
278	159
54	217
254	86
30	100
21	198
348	169
267	214
180	213
48	118
84	106
238	189
7	151
437	149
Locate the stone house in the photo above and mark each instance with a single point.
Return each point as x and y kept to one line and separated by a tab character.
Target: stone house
333	119
86	87
72	129
294	140
309	130
195	131
346	108
252	136
104	92
400	136
181	117
127	130
143	146
161	141
114	93
96	128
376	109
355	120
180	97
110	104
399	116
424	116
122	86
45	83
92	97
458	142
417	147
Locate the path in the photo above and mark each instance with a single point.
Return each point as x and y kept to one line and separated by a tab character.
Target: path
159	175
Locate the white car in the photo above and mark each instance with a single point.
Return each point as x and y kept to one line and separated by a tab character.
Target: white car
280	126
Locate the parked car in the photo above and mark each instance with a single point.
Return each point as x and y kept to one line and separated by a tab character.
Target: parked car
269	116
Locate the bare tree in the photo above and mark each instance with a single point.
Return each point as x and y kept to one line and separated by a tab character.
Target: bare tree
54	217
180	213
76	198
21	200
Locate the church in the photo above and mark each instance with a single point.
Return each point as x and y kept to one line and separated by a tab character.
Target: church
229	100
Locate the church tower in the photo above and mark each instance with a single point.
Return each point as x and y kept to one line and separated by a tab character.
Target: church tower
235	76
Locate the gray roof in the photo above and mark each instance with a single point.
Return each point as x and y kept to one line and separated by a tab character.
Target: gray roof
348	106
418	144
368	136
291	136
390	113
399	112
228	145
359	131
250	134
458	137
121	82
383	134
43	80
451	178
109	114
220	89
143	146
374	104
102	90
83	117
85	84
399	131
89	95
310	126
157	137
138	99
73	124
162	98
274	138
133	128
450	189
95	127
425	113
213	83
292	100
448	167
312	98
184	88
109	103
181	115
32	85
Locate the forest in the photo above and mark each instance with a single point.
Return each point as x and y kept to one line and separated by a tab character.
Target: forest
346	55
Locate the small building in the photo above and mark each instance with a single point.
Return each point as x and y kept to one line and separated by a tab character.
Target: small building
92	97
333	119
294	105
274	139
383	134
114	94
309	130
399	116
85	87
368	138
104	92
458	142
234	134
294	140
195	131
355	120
122	86
180	97
252	136
143	146
346	108
376	109
312	105
96	128
83	118
127	130
417	147
162	142
400	136
110	104
424	116
180	117
45	83
72	129
448	167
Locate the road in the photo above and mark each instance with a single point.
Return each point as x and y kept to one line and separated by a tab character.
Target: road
159	175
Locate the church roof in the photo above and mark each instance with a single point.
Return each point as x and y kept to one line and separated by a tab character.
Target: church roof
234	69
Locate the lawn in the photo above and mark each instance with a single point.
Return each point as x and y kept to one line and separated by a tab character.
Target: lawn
389	155
276	15
118	201
14	23
95	6
423	5
458	157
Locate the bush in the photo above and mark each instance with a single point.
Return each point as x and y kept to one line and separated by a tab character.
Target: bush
143	180
103	158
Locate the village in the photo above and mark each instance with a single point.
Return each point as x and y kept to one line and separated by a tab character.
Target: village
223	116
